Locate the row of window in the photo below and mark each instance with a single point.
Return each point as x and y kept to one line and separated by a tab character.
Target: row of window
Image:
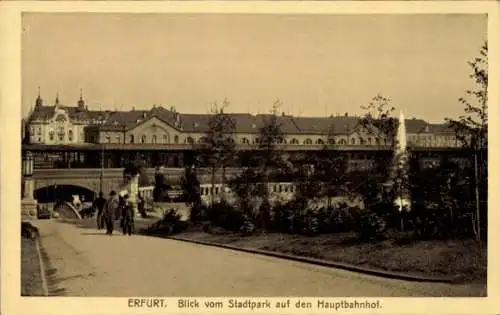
165	139
61	135
276	188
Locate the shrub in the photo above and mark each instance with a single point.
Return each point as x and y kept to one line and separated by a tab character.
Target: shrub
309	223
248	228
370	225
198	213
226	216
170	224
207	228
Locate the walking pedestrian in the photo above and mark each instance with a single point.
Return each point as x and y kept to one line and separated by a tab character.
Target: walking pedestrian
98	205
141	206
109	212
127	220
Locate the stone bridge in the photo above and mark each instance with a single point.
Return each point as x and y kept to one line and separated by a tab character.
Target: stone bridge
112	177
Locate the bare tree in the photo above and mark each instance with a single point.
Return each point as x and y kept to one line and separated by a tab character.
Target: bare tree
270	135
218	148
379	120
472	130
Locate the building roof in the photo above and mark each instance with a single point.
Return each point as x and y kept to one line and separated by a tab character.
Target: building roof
44	113
198	123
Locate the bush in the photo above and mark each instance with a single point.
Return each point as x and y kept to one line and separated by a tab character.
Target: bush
226	216
170	224
309	223
248	228
370	226
198	213
342	218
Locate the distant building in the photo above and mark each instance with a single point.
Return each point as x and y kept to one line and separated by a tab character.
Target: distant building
62	124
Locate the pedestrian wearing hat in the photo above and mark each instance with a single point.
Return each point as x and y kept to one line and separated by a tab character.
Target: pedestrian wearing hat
127	220
109	212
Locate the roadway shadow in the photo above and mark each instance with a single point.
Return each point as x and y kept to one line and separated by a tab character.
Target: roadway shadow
53	281
95	233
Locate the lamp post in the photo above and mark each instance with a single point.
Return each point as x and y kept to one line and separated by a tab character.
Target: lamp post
28	203
101	174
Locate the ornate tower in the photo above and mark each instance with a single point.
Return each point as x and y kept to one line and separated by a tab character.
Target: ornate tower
81	102
39	101
57	103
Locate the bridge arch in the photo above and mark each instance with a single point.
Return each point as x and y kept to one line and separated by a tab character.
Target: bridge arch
63	192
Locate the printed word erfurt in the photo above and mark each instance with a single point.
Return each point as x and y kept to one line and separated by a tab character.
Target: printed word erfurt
150	303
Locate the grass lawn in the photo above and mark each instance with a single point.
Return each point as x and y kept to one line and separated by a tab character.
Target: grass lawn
457	258
31	280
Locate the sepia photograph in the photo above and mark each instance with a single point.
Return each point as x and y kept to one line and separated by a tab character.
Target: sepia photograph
253	155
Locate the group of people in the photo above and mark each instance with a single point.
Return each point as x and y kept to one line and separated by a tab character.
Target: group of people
114	209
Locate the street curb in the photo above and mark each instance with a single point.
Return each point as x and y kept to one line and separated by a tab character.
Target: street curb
43	275
325	263
41	263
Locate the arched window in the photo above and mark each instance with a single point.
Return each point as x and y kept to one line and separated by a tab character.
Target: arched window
202	140
189	140
342	141
244	141
143	139
176	139
320	141
295	141
60	133
39	132
51	135
153	139
165	138
308	141
369	140
70	135
353	140
361	140
131	138
331	141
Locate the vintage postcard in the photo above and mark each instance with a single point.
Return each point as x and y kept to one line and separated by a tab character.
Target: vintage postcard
249	157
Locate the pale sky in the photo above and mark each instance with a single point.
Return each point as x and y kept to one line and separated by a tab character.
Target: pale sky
313	63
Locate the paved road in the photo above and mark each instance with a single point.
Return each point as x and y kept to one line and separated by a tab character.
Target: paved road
86	262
